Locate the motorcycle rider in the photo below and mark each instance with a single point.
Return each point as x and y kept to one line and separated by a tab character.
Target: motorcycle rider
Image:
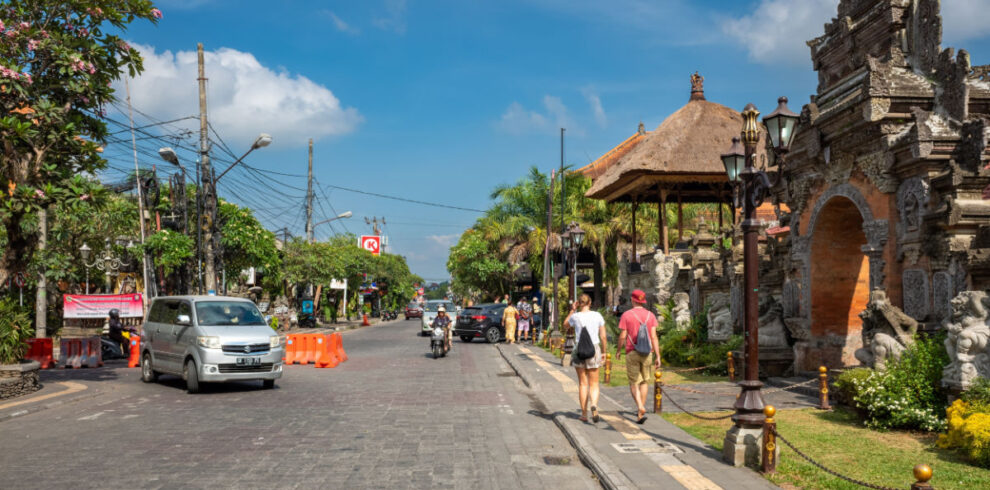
443	321
117	332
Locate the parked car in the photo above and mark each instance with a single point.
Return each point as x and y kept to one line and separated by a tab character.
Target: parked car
481	321
430	312
209	339
413	310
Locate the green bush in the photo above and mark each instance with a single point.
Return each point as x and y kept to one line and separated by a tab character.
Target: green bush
907	395
690	347
847	383
978	393
15	330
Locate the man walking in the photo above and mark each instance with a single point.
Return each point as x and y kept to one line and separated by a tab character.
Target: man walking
525	318
638	333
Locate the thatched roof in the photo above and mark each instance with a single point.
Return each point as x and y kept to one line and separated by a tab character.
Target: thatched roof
684	151
598	167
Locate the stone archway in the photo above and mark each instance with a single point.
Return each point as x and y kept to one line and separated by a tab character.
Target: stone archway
839	273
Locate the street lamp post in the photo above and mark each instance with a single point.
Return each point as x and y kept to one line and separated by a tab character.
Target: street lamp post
577	237
753	186
108	262
345	214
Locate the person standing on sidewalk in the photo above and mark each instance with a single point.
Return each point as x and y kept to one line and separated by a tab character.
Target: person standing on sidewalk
525	318
581	318
635	322
509	323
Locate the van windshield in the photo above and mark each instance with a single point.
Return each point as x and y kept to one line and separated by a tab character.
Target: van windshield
432	307
228	313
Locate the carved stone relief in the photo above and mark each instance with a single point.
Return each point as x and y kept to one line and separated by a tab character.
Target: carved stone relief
887	331
719	317
791	299
968	343
876	166
912	201
736	306
772	332
952	92
916	298
681	311
942	295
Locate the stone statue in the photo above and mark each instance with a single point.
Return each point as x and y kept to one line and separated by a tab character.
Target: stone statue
968	340
887	331
719	317
682	311
772	330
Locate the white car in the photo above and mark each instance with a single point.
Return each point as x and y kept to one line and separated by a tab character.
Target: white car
430	312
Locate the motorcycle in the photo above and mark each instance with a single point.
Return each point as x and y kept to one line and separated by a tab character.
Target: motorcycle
110	350
438	343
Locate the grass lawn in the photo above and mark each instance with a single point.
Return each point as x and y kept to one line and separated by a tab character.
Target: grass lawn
837	440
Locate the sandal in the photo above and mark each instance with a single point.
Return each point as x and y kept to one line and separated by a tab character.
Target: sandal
594	414
583	419
641	419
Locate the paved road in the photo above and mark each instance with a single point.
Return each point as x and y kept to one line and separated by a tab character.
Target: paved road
390	417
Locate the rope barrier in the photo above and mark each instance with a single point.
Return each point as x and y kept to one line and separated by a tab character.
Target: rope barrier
699	392
702	417
794	385
688	370
827	469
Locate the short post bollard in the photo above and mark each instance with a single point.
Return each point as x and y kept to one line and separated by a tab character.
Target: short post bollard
922	473
732	366
769	459
658	392
823	388
608	368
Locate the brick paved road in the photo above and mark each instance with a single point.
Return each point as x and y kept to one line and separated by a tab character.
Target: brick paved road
390	417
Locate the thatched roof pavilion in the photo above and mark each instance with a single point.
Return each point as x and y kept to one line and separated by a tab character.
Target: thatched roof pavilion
681	159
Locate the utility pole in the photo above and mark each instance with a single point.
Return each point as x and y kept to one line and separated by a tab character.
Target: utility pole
309	196
208	221
41	298
140	183
556	282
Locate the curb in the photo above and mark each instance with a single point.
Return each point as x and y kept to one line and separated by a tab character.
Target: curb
609	475
53	404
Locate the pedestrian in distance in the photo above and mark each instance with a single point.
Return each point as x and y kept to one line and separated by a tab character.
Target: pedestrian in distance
509	316
638	334
525	318
582	318
505	300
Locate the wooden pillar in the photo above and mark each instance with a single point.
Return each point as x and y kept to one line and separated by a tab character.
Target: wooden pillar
680	218
720	214
635	257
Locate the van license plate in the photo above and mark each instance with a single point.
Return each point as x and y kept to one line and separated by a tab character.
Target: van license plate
249	361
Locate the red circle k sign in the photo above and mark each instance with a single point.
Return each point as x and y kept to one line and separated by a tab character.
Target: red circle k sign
372	243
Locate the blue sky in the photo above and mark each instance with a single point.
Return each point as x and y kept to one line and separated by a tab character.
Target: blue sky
442	101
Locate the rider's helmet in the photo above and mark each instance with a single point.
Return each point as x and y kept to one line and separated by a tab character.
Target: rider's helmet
441	309
115	313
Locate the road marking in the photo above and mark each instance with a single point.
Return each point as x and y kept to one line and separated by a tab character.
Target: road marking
689	477
72	388
92	417
623	426
567	383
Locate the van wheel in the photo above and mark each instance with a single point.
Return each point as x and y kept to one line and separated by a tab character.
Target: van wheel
191	376
492	335
268	384
148	375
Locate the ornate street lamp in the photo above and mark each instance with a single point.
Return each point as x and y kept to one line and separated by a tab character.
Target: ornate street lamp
108	262
753	186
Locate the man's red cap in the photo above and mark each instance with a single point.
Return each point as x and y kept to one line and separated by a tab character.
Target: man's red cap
638	296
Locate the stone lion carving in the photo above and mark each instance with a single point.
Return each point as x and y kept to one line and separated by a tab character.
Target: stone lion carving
887	331
772	330
682	311
968	340
719	317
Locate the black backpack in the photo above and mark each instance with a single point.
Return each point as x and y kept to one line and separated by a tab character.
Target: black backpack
585	348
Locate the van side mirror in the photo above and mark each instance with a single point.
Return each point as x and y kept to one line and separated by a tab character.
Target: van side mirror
183	320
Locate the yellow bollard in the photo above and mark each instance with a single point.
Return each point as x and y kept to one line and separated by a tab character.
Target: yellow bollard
769	450
823	388
608	368
922	473
658	392
732	366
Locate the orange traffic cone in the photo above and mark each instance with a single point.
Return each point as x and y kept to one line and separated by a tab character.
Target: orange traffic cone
365	322
134	360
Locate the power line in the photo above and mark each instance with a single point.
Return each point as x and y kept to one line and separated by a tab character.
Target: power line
394	198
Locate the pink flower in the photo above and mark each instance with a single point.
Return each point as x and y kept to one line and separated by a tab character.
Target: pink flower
44	34
2	25
83	32
24	25
11	33
84	197
91	69
28	79
39	193
32	44
124	46
156	13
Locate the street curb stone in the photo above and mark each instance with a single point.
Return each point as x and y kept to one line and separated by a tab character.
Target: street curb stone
610	476
90	393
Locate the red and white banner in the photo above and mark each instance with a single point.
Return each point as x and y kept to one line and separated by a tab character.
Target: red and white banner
99	305
371	243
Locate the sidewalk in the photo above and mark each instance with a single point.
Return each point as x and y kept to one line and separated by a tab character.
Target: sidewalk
622	454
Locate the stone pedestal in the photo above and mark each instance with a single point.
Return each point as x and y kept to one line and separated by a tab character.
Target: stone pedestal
742	445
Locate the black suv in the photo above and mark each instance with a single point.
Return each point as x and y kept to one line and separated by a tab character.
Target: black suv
481	321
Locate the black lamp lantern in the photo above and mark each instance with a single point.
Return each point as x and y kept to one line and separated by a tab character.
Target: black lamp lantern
780	126
577	234
734	160
565	240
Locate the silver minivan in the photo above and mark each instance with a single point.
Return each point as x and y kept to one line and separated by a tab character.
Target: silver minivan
209	339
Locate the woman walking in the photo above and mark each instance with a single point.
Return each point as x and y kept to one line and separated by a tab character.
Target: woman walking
582	318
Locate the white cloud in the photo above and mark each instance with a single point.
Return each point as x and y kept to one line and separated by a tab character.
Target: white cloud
776	31
244	97
445	241
394	18
595	102
964	19
518	120
340	24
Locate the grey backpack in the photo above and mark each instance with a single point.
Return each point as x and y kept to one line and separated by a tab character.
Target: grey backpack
643	345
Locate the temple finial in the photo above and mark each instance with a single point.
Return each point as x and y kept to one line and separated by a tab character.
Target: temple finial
697	87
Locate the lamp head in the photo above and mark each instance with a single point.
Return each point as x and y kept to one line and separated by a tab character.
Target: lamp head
264	139
734	160
168	154
565	239
84	251
345	214
780	125
577	234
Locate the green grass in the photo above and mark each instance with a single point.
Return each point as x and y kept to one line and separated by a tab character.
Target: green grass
837	440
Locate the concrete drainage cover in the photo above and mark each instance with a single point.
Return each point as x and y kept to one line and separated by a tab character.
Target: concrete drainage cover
646	446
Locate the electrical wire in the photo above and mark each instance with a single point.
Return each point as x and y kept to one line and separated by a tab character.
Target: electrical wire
403	199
